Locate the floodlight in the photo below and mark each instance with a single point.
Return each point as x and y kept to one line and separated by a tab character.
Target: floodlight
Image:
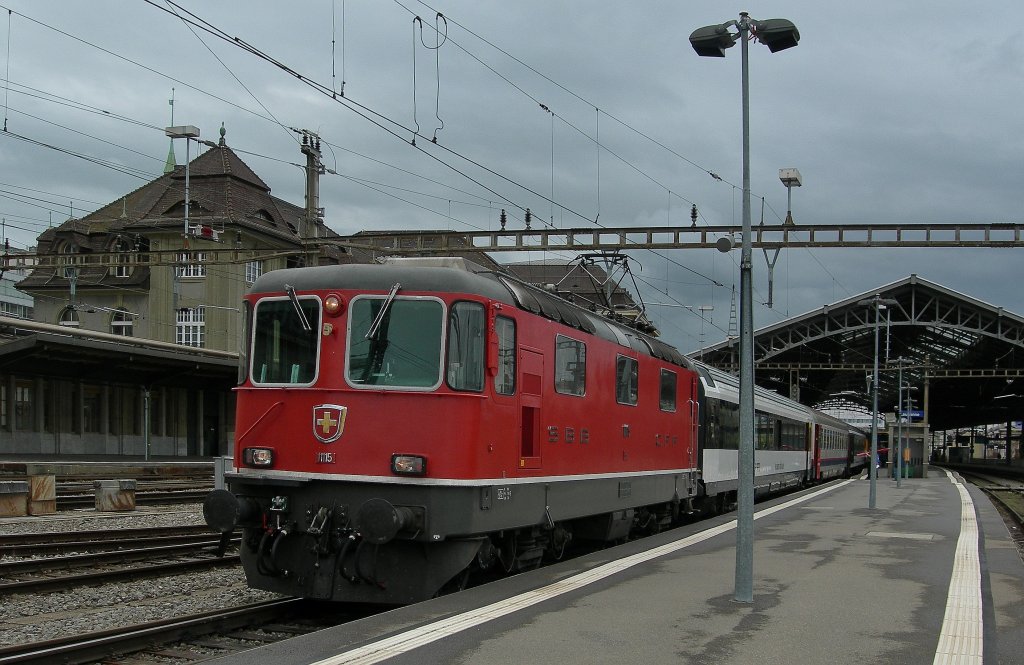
776	33
712	40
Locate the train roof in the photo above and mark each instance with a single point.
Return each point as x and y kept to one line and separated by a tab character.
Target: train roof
723	385
459	275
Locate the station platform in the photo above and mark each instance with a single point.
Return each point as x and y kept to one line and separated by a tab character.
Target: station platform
930	575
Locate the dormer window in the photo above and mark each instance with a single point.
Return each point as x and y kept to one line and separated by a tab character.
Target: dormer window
123	259
68	250
195	209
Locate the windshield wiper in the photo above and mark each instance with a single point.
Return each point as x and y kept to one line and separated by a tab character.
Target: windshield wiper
290	290
375	326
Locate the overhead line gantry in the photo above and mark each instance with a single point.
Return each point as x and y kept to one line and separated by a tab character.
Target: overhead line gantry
777	236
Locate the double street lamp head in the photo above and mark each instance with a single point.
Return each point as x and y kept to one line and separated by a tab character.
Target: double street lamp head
712	40
776	33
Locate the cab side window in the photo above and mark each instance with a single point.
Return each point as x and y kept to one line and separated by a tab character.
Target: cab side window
570	366
627	380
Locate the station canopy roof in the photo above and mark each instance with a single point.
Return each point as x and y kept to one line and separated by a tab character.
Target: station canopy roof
34	349
962	359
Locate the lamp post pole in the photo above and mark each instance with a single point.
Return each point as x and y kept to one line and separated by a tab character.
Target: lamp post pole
744	591
873	491
878	303
711	41
899	426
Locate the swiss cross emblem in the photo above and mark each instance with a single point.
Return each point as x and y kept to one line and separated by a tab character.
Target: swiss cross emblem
328	422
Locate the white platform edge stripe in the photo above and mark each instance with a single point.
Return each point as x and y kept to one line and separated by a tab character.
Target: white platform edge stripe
401	643
961	639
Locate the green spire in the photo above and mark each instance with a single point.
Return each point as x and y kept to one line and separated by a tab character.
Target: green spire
172	163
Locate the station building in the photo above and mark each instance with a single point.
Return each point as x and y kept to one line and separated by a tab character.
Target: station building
131	346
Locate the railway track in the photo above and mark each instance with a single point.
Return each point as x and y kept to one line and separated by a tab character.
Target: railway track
1007	494
147	553
52	543
162	638
191	637
147	497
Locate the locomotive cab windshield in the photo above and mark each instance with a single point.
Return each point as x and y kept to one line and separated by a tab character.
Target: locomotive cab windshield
285	345
395	342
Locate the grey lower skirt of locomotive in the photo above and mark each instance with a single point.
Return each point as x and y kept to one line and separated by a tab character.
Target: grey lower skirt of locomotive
341	541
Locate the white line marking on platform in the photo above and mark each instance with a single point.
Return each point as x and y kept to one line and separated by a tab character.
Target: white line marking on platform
962	637
909	536
401	643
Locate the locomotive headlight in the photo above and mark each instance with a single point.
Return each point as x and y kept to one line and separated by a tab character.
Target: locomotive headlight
258	456
333	304
408	465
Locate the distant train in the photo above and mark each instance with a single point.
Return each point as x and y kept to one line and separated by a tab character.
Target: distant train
400	426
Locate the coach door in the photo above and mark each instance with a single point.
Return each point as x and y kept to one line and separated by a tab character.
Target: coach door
816	444
531	367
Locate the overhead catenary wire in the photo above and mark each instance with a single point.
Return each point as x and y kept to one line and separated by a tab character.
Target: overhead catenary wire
228	69
552	198
376	118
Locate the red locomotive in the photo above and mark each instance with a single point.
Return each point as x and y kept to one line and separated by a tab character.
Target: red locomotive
401	425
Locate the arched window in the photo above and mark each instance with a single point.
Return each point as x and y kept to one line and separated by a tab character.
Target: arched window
69	317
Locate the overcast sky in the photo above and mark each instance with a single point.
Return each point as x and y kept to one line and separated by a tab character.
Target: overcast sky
893	112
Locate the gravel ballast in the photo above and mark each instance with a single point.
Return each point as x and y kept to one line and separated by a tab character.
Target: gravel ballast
43	616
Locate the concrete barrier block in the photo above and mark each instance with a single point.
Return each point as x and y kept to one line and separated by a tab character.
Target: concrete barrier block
13	498
115	495
42	498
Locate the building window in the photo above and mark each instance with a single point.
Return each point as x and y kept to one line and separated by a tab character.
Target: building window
70	272
253	269
626	380
570	366
191	264
123	417
121	323
92	409
123	258
156	412
191	327
24	405
69	318
15	310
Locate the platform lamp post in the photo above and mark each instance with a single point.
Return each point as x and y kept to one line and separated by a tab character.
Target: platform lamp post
879	303
186	132
711	41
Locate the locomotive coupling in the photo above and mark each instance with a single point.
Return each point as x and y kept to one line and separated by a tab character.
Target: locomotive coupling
223	511
379	522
